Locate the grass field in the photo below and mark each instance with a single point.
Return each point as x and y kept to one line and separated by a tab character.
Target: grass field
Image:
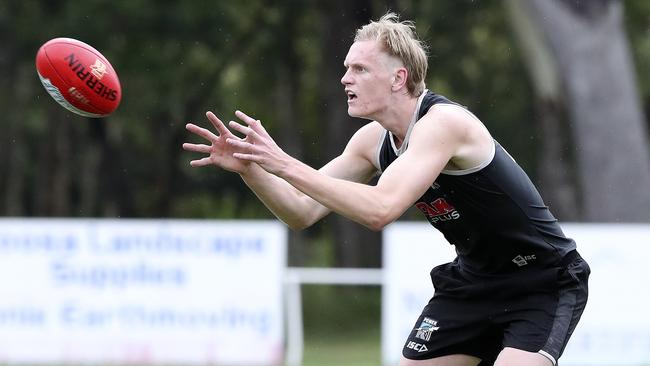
342	326
358	348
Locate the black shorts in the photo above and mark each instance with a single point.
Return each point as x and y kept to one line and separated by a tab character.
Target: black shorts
534	311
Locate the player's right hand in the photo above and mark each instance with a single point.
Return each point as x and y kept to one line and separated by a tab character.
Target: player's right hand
219	152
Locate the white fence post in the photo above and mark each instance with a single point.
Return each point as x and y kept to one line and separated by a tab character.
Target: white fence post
295	277
295	337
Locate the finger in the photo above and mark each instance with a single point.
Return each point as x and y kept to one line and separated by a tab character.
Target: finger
200	148
244	117
240	144
216	122
247	157
240	128
254	124
200	162
206	134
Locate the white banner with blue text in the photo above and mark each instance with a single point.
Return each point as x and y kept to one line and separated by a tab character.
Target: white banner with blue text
141	291
615	326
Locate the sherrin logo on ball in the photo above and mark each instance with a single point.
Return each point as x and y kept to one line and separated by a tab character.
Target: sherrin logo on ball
78	77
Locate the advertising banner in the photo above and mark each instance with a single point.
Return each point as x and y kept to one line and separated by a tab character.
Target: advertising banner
615	327
141	291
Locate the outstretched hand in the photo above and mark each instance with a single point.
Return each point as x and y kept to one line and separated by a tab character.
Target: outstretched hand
219	152
257	146
234	153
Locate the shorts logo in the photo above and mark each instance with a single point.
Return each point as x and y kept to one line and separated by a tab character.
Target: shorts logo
417	346
426	328
522	260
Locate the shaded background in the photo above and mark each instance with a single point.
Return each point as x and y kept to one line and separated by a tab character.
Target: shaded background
564	85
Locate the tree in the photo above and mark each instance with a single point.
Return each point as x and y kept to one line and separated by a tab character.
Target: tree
354	245
589	46
556	178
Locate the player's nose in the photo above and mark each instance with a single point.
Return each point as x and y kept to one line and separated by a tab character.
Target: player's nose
346	79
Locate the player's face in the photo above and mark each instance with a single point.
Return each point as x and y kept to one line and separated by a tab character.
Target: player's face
367	79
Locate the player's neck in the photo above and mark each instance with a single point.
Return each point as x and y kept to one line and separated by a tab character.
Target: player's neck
398	115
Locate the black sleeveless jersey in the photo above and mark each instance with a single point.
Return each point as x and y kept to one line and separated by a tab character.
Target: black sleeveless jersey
493	214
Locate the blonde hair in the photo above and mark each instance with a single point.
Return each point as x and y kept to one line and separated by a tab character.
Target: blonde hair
398	38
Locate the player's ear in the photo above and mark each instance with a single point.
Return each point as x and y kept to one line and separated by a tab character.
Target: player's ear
399	79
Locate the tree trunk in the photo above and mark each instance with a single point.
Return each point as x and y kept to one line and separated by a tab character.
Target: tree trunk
557	181
354	245
592	53
14	145
61	170
88	177
289	122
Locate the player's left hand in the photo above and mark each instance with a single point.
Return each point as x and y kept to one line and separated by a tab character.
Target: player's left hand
257	146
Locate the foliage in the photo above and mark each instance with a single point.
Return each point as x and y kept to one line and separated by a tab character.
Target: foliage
178	59
637	22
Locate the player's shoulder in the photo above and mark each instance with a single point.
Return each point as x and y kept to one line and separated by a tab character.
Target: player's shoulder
458	129
369	132
450	117
372	127
365	139
450	111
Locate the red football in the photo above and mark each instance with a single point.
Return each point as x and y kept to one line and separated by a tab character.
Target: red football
78	77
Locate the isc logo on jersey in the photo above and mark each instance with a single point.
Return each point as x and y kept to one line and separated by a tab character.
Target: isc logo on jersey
438	211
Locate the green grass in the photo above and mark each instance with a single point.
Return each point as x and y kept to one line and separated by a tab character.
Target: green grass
342	326
357	348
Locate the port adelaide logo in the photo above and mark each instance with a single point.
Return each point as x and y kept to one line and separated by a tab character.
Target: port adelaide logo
426	328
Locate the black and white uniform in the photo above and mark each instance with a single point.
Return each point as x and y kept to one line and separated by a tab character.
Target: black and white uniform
517	281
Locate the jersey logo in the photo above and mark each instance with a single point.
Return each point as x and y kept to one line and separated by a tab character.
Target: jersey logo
438	211
426	328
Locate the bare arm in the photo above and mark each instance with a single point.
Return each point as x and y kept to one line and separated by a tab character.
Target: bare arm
292	206
400	185
286	202
435	141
